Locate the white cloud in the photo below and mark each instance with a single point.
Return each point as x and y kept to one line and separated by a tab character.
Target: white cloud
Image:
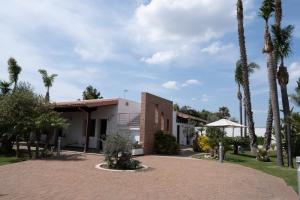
191	82
192	20
294	70
217	47
194	99
170	85
162	57
205	98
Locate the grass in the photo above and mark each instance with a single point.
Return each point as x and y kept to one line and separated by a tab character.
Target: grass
246	159
289	175
11	158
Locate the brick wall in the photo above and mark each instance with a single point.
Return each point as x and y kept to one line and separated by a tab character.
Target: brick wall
154	111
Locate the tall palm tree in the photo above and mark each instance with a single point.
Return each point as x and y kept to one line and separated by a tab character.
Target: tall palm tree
14	71
265	12
282	45
239	81
48	82
246	86
5	87
269	123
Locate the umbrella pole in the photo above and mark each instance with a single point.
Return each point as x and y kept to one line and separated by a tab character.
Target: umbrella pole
221	147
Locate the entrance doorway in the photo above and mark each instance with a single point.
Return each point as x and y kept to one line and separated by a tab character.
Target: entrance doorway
102	133
178	134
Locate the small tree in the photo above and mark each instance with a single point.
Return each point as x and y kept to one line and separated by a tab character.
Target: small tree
117	150
91	93
14	71
48	82
5	87
224	113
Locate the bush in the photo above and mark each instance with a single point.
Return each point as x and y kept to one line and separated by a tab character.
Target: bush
296	146
165	143
203	145
117	151
262	155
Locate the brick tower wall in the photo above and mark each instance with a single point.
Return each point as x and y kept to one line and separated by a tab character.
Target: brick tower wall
156	114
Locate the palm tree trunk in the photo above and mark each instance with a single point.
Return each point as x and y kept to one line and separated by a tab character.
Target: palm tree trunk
29	148
246	84
47	97
37	147
268	133
275	105
286	112
241	108
241	117
245	120
18	146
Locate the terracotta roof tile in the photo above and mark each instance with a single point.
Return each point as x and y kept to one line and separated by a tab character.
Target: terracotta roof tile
87	103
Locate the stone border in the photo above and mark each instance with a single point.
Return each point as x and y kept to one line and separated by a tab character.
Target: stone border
99	166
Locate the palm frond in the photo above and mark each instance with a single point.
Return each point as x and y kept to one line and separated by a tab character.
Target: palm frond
283	40
266	10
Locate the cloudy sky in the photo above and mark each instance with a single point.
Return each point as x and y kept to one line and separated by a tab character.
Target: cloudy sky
183	50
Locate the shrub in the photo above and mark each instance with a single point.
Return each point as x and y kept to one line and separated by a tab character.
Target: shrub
203	145
165	143
296	146
117	150
262	155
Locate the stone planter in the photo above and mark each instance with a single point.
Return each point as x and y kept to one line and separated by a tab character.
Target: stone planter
137	152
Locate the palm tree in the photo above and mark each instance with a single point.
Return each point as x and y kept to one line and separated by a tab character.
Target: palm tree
14	71
282	45
269	123
5	87
239	80
265	12
246	85
48	82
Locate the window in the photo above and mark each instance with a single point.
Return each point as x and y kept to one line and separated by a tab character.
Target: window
156	113
162	121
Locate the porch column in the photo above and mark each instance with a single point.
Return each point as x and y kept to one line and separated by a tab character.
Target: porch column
87	131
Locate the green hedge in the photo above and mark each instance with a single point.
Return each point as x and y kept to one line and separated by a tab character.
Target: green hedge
165	143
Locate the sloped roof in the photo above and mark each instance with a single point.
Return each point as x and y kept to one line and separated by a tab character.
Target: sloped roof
87	103
186	116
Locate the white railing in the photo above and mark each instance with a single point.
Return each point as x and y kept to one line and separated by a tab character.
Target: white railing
129	119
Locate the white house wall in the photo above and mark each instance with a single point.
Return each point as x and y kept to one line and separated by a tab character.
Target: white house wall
184	128
74	134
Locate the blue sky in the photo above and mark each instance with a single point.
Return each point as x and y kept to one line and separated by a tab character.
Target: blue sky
183	50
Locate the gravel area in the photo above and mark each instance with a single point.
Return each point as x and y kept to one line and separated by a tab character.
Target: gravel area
75	177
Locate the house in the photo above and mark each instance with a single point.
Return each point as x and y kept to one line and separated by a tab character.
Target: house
184	127
98	117
90	121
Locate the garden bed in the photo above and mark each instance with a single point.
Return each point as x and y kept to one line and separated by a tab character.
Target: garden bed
104	166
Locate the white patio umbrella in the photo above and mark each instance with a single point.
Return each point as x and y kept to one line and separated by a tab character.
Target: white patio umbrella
224	123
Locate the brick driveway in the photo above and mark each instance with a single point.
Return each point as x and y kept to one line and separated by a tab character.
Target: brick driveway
168	178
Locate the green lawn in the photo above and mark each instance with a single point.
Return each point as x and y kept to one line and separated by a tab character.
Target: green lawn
11	158
287	174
